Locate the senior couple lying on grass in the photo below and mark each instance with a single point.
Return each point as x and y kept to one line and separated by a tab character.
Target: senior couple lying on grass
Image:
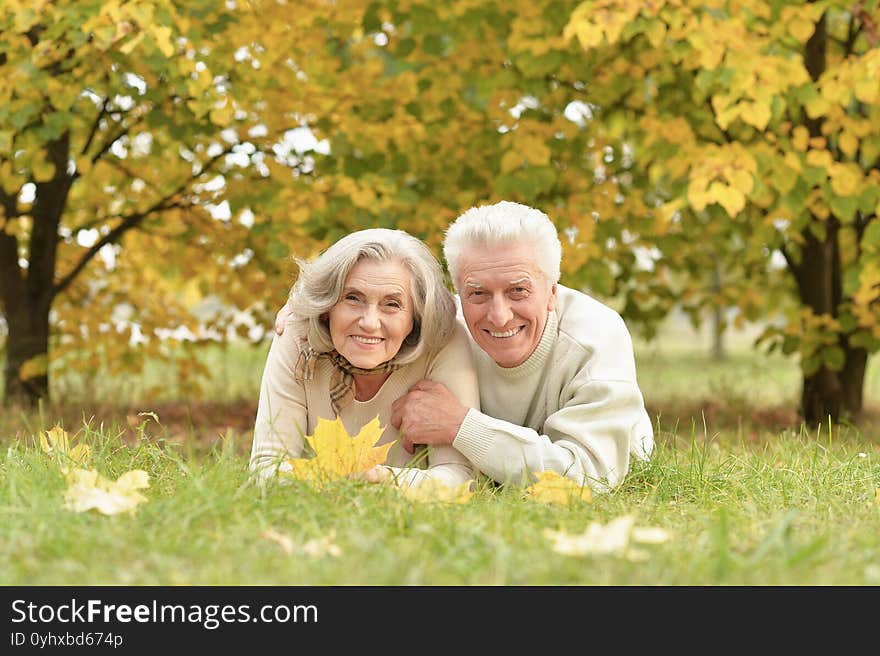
515	374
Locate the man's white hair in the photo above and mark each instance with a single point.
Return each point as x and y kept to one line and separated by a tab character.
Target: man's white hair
504	223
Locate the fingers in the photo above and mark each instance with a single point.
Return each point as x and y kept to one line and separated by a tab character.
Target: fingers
423	385
397	413
407	445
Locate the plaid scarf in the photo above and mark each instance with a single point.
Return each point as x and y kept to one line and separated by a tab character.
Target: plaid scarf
342	377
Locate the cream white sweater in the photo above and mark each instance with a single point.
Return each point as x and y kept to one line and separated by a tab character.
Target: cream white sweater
573	407
288	410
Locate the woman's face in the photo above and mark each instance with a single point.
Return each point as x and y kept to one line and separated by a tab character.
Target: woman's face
374	314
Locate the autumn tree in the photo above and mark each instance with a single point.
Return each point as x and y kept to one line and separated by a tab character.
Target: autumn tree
118	122
755	130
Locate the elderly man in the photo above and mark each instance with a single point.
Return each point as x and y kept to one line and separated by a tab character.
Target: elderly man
556	370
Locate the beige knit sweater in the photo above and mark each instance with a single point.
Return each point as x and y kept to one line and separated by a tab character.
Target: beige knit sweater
288	410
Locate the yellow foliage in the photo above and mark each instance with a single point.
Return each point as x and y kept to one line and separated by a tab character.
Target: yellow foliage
817	106
338	455
848	143
801	29
817	204
820	158
800	138
553	488
755	113
846	179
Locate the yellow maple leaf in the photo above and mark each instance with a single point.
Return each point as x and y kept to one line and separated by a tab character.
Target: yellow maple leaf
56	442
431	491
88	490
554	488
337	454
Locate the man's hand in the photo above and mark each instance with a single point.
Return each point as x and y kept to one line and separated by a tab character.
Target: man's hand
281	317
427	414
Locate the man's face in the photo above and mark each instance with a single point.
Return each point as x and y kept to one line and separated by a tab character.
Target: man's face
505	300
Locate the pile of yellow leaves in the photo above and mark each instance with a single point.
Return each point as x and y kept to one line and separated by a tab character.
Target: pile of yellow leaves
554	488
338	455
86	488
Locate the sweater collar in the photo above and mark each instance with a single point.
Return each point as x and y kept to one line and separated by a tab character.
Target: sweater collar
539	356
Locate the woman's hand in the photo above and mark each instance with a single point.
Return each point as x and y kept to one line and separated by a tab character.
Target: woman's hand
377	474
281	318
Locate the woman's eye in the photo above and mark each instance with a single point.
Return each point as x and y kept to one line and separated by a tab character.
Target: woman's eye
351	297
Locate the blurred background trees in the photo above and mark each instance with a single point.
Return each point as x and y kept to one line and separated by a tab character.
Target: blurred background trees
161	161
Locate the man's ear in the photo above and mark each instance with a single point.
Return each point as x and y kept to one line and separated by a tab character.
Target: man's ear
551	304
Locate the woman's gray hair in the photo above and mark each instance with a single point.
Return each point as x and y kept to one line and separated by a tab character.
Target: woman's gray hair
502	224
321	280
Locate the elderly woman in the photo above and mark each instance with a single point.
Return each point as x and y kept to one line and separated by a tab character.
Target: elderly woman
370	317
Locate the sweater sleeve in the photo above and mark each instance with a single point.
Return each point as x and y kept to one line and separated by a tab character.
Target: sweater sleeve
454	367
587	440
282	411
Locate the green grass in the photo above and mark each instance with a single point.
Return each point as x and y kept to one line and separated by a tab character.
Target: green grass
798	509
748	500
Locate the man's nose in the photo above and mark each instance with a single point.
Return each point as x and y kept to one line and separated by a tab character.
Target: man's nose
499	312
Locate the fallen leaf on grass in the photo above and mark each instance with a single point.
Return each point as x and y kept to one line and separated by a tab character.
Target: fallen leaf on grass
320	547
431	491
316	547
614	539
57	443
88	490
282	540
554	488
337	454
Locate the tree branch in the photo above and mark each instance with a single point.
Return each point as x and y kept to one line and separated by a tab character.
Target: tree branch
95	126
133	220
114	138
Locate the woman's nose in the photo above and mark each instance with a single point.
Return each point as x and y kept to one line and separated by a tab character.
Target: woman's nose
369	319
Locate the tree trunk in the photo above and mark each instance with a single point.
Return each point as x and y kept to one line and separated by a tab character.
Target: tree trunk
835	394
27	349
26	294
826	393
